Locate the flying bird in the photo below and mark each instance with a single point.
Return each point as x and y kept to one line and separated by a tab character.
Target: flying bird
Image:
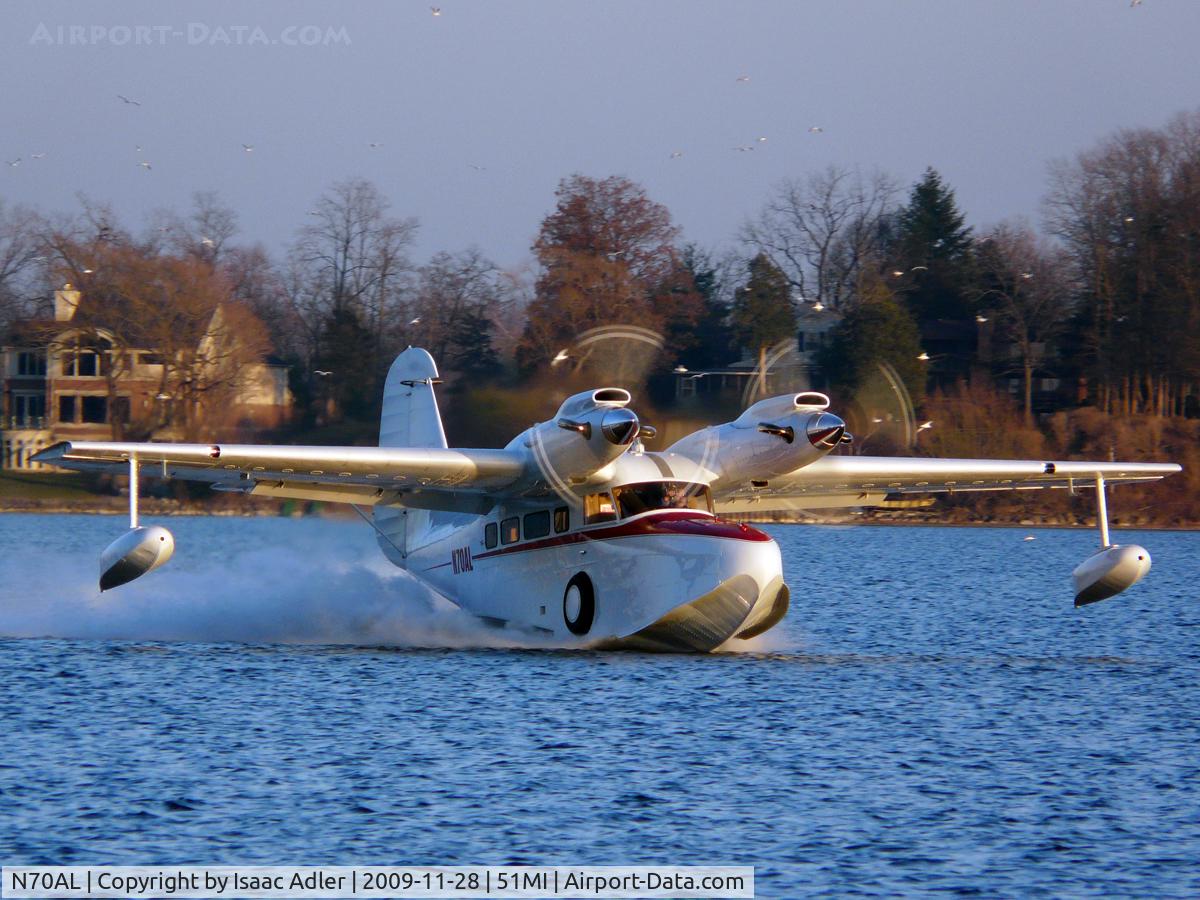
125	99
676	154
208	242
477	168
816	129
559	357
743	79
145	165
374	145
416	321
13	163
924	357
37	155
322	372
249	148
435	10
744	147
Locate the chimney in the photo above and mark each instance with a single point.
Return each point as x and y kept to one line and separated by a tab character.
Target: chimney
66	302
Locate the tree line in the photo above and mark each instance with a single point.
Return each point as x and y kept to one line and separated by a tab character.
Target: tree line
1109	290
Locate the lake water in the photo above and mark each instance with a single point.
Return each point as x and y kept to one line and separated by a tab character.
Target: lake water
933	716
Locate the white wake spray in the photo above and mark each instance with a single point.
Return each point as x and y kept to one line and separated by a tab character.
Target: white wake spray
309	590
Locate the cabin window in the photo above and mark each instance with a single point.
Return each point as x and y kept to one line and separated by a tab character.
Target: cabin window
490	538
510	530
537	524
562	520
599	508
639	498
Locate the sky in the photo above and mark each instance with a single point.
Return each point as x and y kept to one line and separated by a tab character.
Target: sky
481	110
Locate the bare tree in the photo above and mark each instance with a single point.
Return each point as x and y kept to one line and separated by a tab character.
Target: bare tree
821	231
1030	291
20	251
457	299
350	266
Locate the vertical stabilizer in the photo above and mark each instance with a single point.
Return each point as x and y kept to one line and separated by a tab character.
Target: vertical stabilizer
410	410
410	419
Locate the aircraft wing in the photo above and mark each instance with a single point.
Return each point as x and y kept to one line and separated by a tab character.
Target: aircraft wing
867	480
427	478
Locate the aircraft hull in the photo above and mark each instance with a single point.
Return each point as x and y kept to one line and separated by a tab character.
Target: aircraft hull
670	581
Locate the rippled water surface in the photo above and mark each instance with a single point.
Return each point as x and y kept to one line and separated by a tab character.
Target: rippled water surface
933	716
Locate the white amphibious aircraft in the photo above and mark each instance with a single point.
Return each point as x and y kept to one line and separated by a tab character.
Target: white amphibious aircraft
574	529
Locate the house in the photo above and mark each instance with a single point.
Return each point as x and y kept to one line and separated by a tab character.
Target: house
66	379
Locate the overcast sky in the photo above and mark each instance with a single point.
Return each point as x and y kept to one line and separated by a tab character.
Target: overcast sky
986	92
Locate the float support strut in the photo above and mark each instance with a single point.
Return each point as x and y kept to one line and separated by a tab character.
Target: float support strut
1101	511
133	490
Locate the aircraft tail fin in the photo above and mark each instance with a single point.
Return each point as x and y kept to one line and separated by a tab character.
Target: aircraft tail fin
410	419
410	410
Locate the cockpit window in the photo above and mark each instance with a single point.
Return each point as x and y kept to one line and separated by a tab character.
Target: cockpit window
639	498
598	508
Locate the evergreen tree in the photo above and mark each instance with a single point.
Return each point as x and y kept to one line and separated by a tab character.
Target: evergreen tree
877	331
933	252
762	312
708	344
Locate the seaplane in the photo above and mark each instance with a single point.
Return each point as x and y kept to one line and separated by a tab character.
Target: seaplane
575	530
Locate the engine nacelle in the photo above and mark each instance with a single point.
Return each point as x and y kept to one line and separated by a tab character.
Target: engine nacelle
136	552
772	437
589	431
1109	572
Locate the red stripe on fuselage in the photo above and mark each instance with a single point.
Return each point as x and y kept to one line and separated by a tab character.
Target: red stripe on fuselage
676	522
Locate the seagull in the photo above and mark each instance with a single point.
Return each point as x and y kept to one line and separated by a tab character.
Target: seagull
560	357
88	271
1029	537
981	319
924	357
1128	220
375	145
676	154
145	165
1025	276
37	155
897	272
313	212
125	99
322	372
925	426
477	168
919	269
435	10
744	148
13	163
137	148
416	321
816	129
249	148
1134	3
818	306
743	79
208	242
161	396
762	140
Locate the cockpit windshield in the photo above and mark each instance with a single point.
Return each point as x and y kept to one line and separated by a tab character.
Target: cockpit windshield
639	498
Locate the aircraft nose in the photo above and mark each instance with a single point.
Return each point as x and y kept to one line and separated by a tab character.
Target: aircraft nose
825	430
